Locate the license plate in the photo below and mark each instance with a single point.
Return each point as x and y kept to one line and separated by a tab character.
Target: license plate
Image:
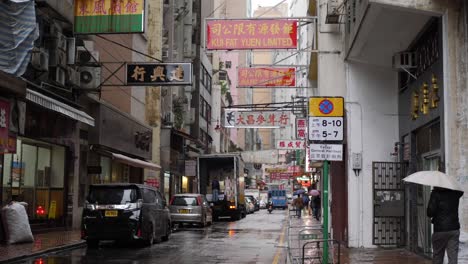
184	211
111	213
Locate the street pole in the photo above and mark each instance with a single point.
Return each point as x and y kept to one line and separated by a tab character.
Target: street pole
325	212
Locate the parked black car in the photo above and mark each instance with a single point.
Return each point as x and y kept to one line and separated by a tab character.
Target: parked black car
255	202
125	212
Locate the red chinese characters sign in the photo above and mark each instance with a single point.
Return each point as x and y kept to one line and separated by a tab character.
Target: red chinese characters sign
280	176
256	119
152	182
261	77
291	144
222	34
301	128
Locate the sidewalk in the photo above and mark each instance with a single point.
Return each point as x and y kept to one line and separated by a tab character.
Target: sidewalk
43	243
349	255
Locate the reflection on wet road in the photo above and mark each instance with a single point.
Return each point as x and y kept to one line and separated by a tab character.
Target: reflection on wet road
254	239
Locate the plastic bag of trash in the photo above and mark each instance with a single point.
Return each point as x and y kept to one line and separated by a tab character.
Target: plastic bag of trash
16	224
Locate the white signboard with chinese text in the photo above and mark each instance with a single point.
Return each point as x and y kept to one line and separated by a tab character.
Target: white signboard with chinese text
290	144
301	128
326	152
325	128
254	119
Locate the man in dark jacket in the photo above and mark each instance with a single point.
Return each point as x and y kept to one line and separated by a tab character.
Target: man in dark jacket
443	208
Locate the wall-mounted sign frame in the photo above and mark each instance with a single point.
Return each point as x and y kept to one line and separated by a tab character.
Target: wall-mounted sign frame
158	74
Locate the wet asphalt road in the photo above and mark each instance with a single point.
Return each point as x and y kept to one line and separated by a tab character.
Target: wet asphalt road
255	239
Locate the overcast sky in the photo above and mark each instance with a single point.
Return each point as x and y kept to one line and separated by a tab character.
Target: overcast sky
256	3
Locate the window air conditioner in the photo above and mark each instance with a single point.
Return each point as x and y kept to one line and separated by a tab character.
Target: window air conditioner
85	57
58	75
90	77
73	76
404	60
40	59
57	57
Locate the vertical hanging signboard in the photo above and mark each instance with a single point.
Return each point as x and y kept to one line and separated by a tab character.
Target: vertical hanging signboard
238	34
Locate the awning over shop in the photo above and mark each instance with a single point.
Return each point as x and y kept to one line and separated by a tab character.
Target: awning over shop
59	107
136	162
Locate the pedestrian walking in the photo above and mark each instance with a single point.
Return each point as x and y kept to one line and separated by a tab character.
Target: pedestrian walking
316	203
443	209
298	204
305	202
215	189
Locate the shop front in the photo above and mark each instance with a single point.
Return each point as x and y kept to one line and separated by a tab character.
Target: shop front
120	149
421	143
38	162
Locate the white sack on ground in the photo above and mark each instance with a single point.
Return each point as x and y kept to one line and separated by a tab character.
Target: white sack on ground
16	224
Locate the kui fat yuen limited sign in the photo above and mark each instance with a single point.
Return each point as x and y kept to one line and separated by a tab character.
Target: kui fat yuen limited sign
236	34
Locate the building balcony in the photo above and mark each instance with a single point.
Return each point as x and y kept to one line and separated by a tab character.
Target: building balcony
377	29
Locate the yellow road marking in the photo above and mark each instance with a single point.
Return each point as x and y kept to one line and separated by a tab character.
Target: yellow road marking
280	247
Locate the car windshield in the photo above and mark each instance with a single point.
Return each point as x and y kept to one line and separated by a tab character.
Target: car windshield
113	194
184	201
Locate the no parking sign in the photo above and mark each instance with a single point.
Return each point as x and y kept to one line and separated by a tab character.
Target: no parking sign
326	106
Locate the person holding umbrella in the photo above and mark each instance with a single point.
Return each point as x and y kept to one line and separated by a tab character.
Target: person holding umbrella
315	202
443	209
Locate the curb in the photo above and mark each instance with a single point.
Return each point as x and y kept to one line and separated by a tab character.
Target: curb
38	253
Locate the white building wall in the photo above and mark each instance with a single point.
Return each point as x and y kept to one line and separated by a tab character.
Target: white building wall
372	128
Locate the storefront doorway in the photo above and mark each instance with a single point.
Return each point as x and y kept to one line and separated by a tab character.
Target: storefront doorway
428	158
36	175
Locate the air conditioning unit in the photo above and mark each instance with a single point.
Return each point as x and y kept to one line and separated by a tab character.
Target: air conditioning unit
71	51
58	75
86	57
404	60
168	118
223	76
40	59
57	57
60	41
73	76
90	77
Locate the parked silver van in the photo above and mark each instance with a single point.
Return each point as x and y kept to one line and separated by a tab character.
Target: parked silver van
190	208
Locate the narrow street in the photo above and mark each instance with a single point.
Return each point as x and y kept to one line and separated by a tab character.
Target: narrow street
254	239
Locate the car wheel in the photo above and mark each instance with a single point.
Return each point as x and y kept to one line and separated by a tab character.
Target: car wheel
168	232
92	243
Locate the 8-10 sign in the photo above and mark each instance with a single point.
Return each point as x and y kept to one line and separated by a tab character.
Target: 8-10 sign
326	128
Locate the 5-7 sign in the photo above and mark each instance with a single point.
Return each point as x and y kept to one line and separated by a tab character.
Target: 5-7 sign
326	128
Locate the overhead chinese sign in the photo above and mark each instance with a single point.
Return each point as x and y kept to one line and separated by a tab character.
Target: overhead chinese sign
159	74
291	144
237	34
293	169
261	77
109	16
301	128
280	176
256	119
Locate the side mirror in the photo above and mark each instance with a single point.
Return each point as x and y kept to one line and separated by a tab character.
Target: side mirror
164	203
